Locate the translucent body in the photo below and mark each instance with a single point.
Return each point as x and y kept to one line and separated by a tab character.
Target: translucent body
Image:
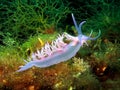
69	51
59	51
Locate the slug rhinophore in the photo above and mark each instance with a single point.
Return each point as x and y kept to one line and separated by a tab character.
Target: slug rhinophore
59	51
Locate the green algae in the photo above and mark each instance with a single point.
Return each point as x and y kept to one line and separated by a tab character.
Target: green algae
22	19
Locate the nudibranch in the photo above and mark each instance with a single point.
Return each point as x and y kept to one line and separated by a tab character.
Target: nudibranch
59	50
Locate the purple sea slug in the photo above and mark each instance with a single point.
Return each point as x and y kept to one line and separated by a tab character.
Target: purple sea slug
59	50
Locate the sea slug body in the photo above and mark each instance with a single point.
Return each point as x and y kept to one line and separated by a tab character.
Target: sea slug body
59	51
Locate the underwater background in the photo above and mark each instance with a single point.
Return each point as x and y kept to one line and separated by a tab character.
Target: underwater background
25	27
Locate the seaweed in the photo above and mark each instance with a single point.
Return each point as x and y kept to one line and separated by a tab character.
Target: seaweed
22	19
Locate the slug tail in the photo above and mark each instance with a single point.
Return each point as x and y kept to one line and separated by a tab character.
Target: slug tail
27	66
